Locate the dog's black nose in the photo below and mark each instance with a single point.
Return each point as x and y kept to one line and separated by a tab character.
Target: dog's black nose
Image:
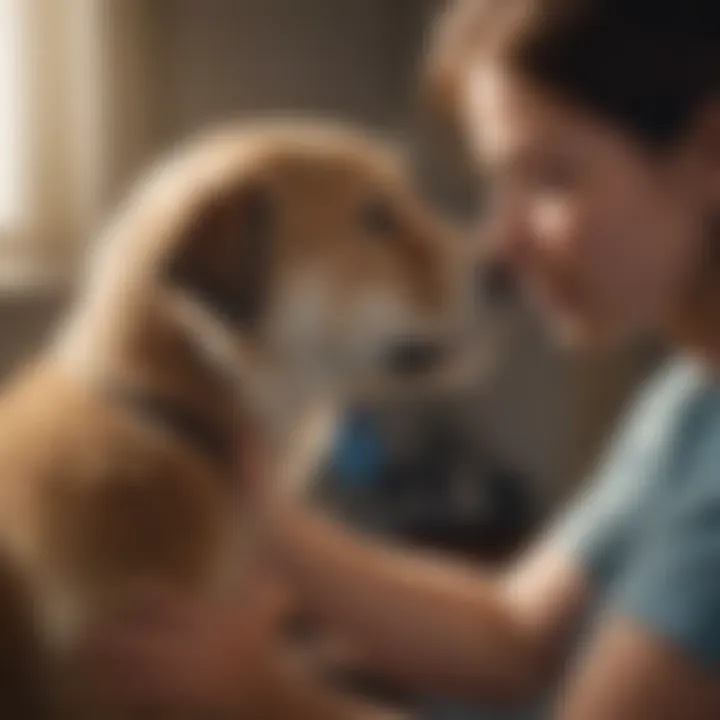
495	284
414	356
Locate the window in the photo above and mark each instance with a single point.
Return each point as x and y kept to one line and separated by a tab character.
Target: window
10	110
72	116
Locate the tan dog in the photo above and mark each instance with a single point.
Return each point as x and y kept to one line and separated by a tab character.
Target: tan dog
301	254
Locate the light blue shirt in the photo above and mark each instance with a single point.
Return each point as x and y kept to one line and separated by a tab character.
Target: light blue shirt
647	529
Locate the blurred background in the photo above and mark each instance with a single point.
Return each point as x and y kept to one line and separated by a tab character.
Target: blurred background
91	90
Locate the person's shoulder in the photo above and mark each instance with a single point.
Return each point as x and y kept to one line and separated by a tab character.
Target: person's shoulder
695	388
671	582
679	400
678	384
682	416
699	440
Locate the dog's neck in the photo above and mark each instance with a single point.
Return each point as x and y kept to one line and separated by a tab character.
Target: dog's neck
132	343
281	388
130	351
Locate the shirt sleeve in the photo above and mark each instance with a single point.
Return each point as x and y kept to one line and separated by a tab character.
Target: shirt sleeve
602	525
599	524
672	582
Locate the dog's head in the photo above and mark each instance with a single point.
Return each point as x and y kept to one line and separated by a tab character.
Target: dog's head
309	248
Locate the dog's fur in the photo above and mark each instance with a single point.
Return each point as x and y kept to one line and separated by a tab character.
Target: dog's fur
308	251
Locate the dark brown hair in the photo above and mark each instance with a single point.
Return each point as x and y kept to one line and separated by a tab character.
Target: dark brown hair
648	65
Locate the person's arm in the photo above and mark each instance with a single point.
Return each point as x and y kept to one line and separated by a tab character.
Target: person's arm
427	623
657	655
631	673
177	652
433	625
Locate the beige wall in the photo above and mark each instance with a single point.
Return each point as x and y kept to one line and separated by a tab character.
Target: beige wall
224	58
25	323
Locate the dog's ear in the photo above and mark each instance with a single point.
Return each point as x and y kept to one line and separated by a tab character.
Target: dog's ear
224	257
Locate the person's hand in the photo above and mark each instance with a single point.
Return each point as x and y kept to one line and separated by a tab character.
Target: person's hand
288	477
254	466
266	488
170	651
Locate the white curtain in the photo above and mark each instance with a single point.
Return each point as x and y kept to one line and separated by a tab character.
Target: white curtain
75	120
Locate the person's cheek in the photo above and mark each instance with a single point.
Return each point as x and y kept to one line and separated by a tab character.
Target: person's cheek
621	270
583	266
675	253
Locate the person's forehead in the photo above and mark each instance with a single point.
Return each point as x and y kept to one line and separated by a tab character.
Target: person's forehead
505	116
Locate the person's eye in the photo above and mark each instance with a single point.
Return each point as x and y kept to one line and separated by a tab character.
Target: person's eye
553	177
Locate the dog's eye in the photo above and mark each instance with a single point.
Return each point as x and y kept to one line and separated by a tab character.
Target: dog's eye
378	219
